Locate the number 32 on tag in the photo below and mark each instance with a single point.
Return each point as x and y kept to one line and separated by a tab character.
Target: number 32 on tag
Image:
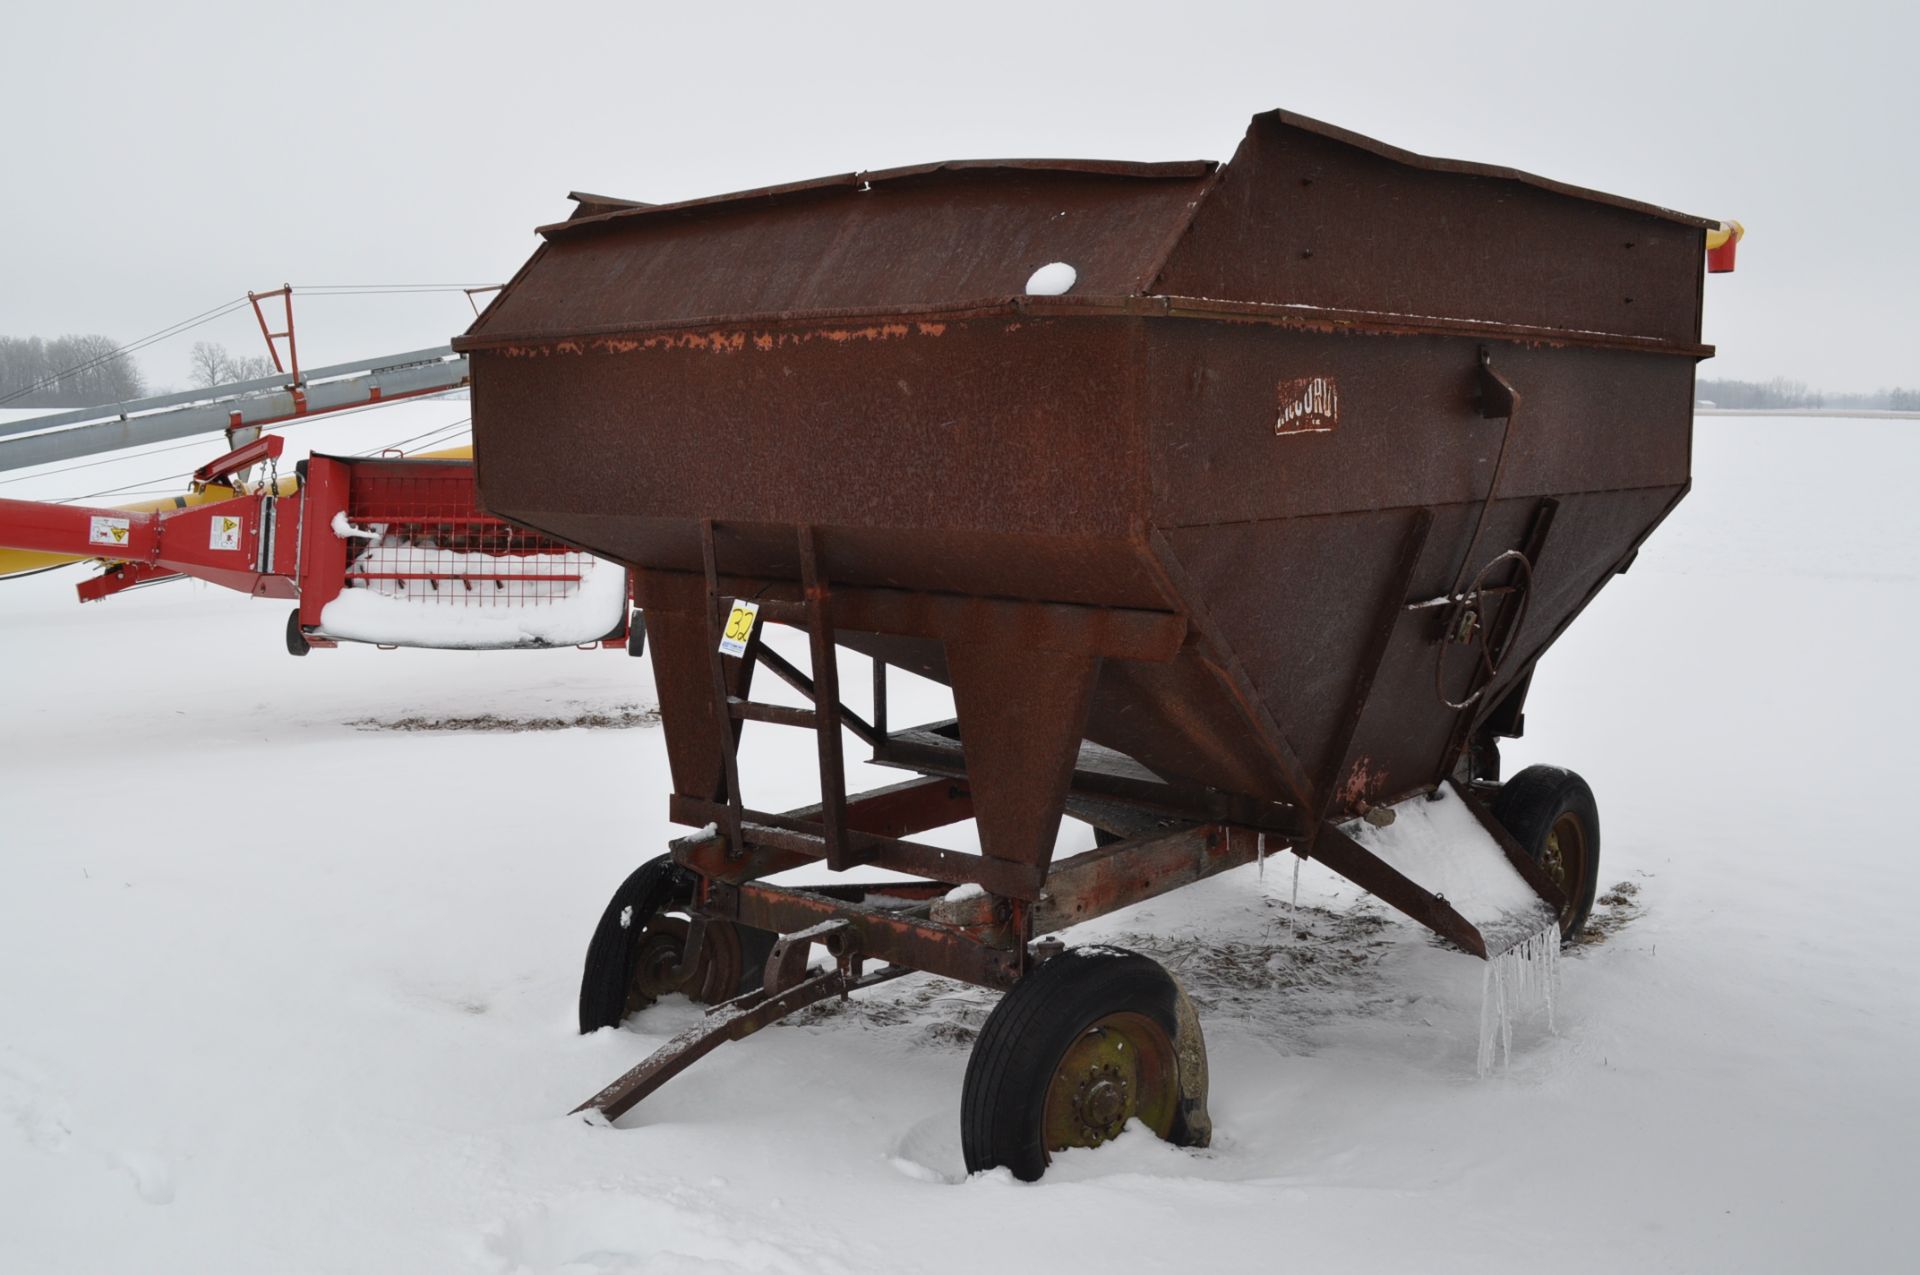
739	627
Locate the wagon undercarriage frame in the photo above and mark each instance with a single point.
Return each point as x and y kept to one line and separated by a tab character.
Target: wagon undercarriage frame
961	916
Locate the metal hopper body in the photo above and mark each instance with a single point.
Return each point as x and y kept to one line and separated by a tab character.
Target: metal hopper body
1257	529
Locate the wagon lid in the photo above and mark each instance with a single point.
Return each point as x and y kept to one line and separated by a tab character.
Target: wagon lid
964	237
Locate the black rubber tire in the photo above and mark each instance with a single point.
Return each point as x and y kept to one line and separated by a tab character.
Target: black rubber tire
651	888
654	887
1529	805
297	643
1003	1098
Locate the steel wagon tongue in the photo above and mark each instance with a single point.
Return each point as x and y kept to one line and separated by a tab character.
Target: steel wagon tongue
1247	540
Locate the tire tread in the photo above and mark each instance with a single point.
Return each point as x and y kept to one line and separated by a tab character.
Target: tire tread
608	968
1014	1057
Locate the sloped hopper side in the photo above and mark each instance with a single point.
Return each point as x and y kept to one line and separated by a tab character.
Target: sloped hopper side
1290	407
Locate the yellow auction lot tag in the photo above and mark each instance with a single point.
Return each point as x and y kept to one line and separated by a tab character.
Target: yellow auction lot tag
739	627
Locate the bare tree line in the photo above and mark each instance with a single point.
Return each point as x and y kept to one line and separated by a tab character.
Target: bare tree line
90	370
67	371
212	365
1781	392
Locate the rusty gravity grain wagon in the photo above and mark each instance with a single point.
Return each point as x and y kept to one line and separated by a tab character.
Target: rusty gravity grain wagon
1235	503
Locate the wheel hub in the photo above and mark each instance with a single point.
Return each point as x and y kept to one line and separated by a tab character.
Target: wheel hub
1563	859
1555	863
663	946
1121	1068
653	969
663	959
1101	1104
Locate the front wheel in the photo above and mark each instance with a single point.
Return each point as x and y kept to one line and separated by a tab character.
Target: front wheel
1552	814
637	950
1091	1039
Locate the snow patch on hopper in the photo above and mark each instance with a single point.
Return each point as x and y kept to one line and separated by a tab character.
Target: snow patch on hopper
1438	844
1054	279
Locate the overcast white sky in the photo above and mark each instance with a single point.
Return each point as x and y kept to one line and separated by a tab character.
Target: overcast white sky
165	158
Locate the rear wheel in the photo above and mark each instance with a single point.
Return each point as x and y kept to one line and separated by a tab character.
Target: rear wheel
1552	814
1091	1039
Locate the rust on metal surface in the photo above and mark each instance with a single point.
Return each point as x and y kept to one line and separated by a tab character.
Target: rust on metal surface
890	934
1347	857
787	962
1096	882
1194	539
768	838
895	812
1183	230
1101	775
1121	632
1263	525
826	698
1303	213
1351	780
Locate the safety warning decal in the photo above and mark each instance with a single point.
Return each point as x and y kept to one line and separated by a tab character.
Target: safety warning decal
223	532
739	627
108	531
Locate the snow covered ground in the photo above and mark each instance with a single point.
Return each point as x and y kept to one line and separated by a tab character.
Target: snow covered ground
281	991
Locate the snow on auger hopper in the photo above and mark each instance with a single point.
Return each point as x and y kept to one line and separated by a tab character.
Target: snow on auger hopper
1235	504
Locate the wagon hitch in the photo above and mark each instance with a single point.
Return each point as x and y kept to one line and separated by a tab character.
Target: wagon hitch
744	1015
787	962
